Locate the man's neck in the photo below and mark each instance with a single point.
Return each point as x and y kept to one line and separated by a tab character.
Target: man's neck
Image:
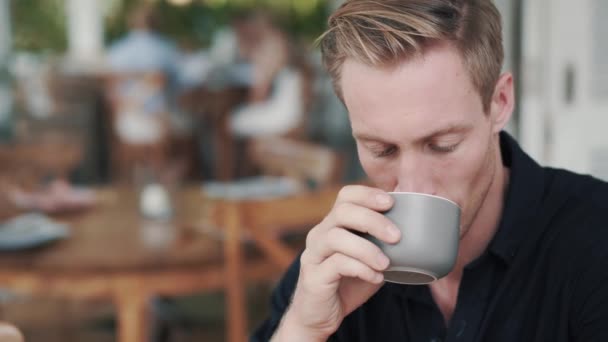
486	223
473	244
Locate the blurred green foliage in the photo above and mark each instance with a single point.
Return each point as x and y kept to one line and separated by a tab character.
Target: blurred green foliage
40	25
193	24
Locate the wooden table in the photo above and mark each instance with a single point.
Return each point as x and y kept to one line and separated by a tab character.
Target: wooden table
106	257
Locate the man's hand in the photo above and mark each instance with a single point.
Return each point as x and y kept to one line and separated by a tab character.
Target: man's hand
339	269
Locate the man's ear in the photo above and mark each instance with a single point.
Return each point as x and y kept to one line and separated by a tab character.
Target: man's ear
503	102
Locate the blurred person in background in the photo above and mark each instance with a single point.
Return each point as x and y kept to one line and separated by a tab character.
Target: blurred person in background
142	71
147	78
265	46
143	49
277	101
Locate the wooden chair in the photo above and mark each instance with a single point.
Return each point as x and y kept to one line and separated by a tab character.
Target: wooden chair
28	164
317	168
26	167
312	164
137	99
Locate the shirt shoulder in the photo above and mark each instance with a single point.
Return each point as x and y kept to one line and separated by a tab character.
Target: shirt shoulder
575	213
575	247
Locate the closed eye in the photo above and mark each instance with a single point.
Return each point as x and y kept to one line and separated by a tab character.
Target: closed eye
384	152
443	149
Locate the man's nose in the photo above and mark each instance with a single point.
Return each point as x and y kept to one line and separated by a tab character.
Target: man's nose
415	176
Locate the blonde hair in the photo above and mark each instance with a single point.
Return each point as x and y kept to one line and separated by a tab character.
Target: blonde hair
385	32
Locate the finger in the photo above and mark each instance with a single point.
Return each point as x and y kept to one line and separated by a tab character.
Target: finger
339	240
365	196
339	266
364	220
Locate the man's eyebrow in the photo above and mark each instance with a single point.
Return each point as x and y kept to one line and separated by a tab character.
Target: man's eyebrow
451	129
369	137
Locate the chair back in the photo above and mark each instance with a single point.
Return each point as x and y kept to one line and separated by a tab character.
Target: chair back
28	164
308	162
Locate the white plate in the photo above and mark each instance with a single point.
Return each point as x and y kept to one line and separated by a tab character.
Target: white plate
263	187
30	230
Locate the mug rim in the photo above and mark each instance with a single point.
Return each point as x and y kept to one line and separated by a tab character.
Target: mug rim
424	195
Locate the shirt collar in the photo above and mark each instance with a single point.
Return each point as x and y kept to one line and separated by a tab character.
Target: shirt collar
522	199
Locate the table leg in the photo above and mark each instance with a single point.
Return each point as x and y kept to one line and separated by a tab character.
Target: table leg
133	316
236	320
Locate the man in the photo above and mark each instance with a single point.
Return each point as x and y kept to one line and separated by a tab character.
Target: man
427	102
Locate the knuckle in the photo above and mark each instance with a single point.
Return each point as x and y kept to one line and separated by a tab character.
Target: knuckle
305	259
310	237
334	235
330	259
345	192
313	235
336	260
342	211
343	260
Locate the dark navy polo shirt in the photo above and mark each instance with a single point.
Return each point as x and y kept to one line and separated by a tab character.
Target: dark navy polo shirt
543	277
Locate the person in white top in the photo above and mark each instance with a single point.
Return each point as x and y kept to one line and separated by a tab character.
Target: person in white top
276	104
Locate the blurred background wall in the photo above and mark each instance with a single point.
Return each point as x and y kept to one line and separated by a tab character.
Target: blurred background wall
564	99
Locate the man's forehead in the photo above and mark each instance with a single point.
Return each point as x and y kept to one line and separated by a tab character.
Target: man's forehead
440	71
417	99
441	58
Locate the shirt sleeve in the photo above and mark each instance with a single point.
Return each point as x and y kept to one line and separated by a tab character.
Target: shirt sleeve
279	301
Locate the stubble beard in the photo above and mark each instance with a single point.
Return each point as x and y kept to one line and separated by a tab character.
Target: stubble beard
480	198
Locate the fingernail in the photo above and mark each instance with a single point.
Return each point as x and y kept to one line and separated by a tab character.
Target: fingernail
394	232
379	278
383	199
382	260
